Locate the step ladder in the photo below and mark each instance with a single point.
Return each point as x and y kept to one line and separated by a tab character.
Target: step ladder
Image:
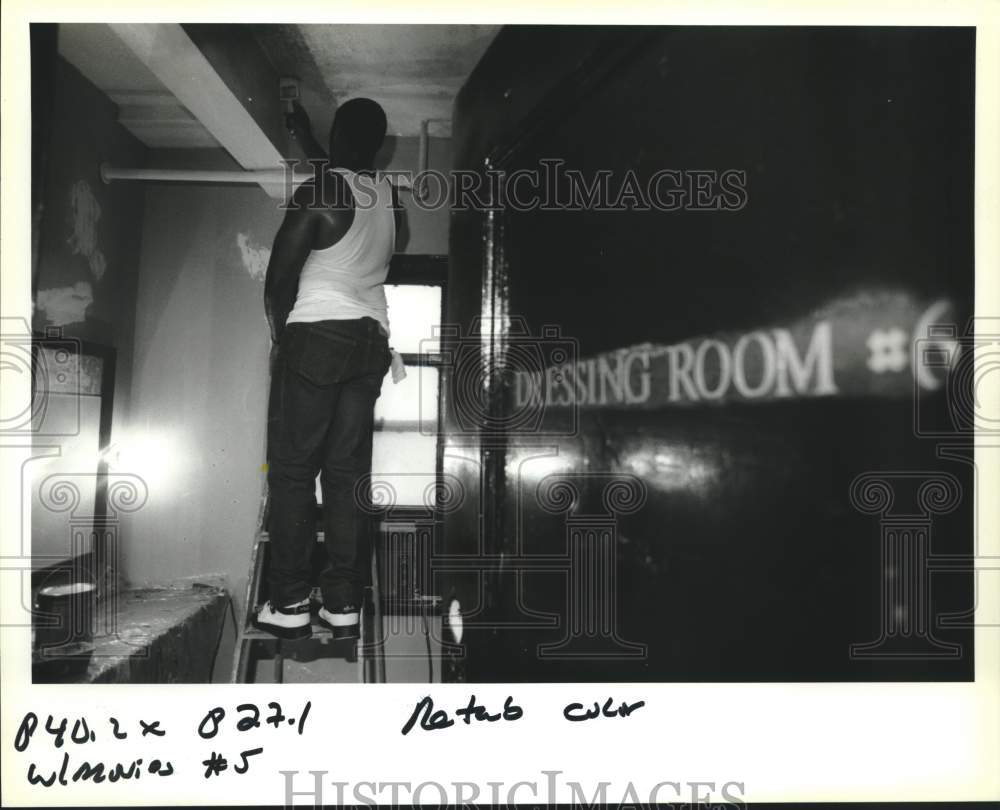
368	649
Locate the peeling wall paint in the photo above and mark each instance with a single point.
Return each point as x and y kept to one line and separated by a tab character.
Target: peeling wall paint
253	255
89	231
85	213
63	306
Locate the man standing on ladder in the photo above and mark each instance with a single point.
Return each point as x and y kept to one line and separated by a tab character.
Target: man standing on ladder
326	306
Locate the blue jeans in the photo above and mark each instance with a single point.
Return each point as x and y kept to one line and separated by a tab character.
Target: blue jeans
324	384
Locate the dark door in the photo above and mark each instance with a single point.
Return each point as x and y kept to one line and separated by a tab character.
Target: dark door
725	376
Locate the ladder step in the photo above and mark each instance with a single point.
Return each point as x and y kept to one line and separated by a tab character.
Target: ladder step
248	635
265	537
318	630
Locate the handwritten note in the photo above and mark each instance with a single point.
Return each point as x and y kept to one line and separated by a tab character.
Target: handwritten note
72	735
430	719
63	750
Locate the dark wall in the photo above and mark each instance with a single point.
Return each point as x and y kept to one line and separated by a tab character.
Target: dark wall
746	558
90	232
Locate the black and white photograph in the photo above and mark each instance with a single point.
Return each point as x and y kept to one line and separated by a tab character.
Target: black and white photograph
446	356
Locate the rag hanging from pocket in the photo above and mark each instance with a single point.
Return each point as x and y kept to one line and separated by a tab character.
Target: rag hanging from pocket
398	369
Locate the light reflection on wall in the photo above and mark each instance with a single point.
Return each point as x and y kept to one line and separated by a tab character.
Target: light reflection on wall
154	455
528	466
67	431
672	468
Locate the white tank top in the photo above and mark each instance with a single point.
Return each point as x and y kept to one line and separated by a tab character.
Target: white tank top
345	281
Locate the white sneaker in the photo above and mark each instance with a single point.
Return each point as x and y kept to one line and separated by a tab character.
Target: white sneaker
344	623
291	621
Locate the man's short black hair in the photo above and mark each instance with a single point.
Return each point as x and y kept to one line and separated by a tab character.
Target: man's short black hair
360	124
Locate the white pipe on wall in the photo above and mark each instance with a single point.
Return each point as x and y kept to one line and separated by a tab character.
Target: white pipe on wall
278	176
423	156
259	176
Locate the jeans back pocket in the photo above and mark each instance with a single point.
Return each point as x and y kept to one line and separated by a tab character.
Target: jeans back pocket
322	357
